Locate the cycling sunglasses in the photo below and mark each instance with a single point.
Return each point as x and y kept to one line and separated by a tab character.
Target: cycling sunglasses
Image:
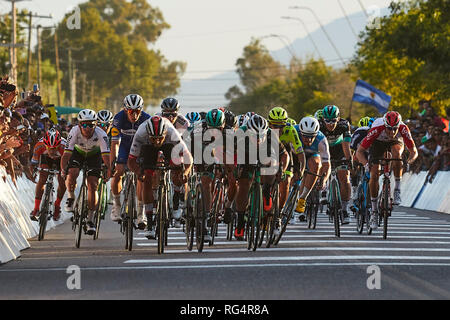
392	128
170	114
134	111
277	126
104	125
330	121
88	125
308	136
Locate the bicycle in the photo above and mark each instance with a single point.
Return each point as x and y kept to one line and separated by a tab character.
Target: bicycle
288	210
79	220
313	203
46	210
385	200
189	221
102	204
218	202
363	203
255	212
128	211
272	218
334	207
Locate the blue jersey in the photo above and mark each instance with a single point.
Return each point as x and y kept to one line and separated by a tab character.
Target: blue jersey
124	131
319	147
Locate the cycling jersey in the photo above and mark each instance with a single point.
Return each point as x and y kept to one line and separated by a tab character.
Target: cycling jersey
290	137
378	133
124	130
181	124
173	137
40	149
358	136
318	148
340	134
87	146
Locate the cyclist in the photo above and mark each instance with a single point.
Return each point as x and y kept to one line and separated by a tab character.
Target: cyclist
169	110
292	122
317	152
338	133
242	120
105	119
47	154
230	120
154	136
319	114
364	125
288	136
260	136
387	134
86	144
125	125
193	118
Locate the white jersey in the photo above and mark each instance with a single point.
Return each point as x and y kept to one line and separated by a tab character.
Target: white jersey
87	146
173	137
181	124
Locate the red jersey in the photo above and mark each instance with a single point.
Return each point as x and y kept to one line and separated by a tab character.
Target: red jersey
378	132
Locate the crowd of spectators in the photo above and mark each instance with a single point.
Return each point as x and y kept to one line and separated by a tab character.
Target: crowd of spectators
431	135
22	124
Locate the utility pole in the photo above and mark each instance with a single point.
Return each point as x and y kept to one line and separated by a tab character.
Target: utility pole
58	82
39	80
30	32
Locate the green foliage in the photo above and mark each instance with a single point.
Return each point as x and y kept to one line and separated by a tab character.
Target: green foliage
111	53
407	57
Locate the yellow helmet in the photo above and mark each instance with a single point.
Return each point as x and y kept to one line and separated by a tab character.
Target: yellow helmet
278	116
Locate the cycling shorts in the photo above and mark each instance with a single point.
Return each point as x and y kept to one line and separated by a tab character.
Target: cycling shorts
93	162
378	148
50	163
124	151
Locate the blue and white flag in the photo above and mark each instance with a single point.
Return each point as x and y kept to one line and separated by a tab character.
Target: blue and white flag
365	93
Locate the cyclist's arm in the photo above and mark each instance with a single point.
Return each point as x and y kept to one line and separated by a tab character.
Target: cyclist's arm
346	142
302	162
409	142
324	151
361	155
133	165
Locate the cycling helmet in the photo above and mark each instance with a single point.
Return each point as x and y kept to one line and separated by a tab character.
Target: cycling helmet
193	117
258	124
105	116
364	122
309	126
170	105
87	115
52	138
392	119
250	114
203	115
291	121
230	119
278	116
133	102
319	114
156	127
215	118
221	109
331	112
242	120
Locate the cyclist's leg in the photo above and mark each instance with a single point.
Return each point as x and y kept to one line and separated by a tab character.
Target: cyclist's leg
244	181
313	165
397	166
376	151
75	163
94	173
149	156
345	188
59	193
178	184
39	191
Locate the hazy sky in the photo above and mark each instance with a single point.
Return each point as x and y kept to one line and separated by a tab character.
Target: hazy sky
210	34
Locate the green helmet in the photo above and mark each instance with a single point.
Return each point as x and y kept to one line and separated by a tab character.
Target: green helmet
331	112
364	122
278	116
215	118
319	114
291	121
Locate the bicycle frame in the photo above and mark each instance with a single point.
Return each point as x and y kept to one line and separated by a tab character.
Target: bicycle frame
46	211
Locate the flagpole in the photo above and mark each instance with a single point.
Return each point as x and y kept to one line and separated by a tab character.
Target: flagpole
351	106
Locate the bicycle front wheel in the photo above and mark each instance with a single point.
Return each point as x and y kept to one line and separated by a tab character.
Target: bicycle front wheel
335	209
43	218
199	218
81	213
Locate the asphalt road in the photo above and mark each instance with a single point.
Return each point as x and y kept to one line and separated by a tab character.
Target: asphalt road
413	263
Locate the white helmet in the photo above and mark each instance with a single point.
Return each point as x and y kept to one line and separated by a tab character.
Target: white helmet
105	116
242	120
309	126
133	101
258	124
87	115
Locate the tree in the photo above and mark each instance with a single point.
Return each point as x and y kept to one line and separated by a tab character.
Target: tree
111	52
407	56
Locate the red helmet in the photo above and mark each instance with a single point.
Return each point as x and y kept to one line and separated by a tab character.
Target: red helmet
392	119
52	138
156	127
